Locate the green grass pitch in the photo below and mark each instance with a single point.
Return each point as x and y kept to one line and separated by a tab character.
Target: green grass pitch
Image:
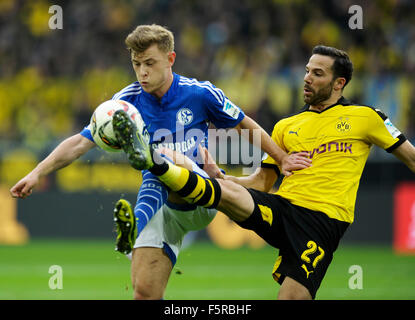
93	270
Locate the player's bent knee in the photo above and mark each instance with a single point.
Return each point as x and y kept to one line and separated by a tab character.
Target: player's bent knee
150	271
144	291
236	202
230	191
139	295
293	290
293	295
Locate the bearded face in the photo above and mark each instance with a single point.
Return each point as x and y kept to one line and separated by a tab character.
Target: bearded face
316	96
318	80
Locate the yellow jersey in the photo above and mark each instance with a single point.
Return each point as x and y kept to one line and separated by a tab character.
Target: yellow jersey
338	141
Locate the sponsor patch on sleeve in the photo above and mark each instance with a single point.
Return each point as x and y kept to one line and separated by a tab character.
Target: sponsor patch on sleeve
230	109
391	128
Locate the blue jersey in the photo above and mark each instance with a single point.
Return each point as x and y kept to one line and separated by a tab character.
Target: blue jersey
180	119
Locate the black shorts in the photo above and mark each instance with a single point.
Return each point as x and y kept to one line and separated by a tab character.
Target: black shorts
306	239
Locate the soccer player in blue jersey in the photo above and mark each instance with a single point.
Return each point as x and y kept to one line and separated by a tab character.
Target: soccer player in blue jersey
177	111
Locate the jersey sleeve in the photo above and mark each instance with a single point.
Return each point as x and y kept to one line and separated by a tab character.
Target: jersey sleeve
383	133
131	90
267	161
86	132
222	112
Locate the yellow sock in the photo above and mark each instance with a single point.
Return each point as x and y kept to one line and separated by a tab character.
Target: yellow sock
175	177
191	187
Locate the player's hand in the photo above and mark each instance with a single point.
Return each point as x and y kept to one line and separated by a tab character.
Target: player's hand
24	187
209	164
295	161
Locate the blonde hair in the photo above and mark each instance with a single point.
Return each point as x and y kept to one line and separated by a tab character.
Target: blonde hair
146	35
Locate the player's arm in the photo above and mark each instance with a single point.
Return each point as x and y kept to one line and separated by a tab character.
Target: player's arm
262	179
288	163
406	153
64	154
384	134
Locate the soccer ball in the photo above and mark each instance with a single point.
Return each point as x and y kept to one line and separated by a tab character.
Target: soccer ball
101	123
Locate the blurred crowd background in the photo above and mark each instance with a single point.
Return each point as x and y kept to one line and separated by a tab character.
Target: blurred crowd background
255	50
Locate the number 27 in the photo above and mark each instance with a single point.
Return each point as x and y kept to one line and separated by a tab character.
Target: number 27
312	248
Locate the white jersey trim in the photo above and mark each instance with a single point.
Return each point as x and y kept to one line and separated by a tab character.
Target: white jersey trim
216	92
132	89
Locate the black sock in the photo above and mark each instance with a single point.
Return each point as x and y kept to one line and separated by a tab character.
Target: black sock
160	165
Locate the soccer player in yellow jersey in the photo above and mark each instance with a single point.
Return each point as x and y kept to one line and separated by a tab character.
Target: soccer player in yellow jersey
306	218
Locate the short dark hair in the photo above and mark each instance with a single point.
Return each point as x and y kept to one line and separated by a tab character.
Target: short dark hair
342	66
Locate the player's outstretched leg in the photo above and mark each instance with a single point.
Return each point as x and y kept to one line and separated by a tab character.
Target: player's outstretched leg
227	196
131	141
126	226
189	185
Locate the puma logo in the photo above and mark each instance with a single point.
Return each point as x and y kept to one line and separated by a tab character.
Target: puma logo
306	271
294	132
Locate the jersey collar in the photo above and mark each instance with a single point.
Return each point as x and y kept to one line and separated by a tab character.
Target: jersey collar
342	101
